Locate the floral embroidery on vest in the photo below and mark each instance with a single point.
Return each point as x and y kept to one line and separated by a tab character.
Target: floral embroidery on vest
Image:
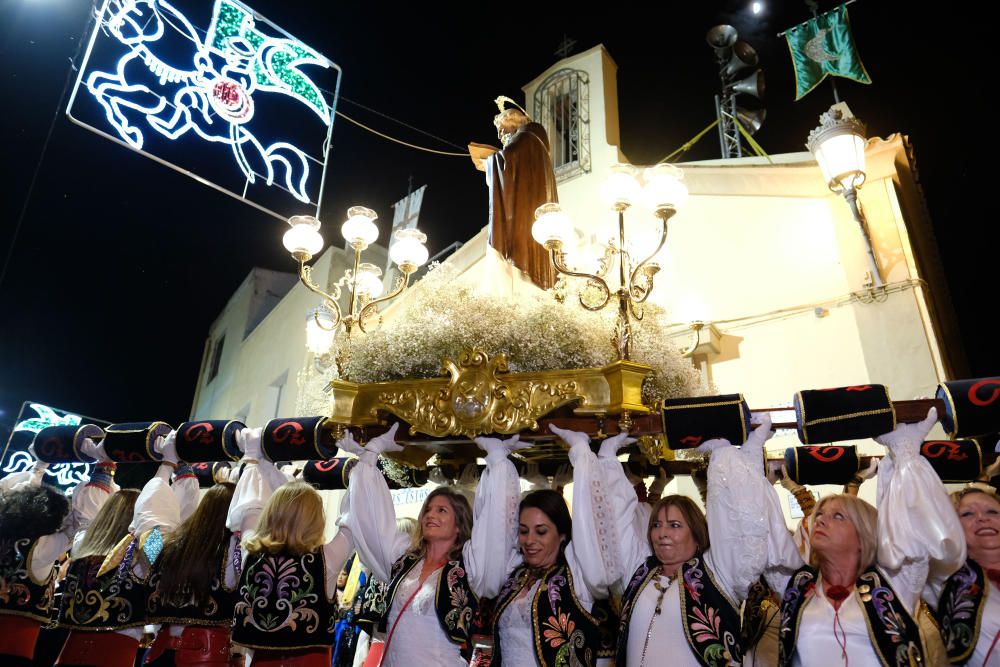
102	601
893	632
20	593
282	602
960	611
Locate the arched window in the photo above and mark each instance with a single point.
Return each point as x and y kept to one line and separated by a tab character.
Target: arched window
562	105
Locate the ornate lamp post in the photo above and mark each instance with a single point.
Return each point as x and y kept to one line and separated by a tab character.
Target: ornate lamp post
663	191
364	281
838	145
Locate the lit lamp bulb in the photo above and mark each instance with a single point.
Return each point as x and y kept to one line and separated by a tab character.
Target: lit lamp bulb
359	229
369	281
320	330
552	227
303	240
664	191
408	250
838	145
621	189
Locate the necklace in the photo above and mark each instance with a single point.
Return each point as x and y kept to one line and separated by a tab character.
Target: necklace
662	588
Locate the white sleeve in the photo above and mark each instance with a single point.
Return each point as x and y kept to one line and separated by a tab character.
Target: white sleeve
630	520
335	554
257	483
16	479
47	550
603	500
492	552
746	527
368	513
921	541
186	489
156	505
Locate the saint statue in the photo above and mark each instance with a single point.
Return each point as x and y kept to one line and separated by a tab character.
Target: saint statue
521	179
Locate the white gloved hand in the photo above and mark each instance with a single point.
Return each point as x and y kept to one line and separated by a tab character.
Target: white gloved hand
167	447
94	450
610	446
787	482
710	446
753	449
248	440
350	445
870	471
497	449
904	441
574	439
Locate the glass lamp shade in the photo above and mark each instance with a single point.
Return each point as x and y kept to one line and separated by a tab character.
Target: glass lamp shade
360	229
838	145
664	189
552	228
369	280
408	249
622	188
319	335
304	237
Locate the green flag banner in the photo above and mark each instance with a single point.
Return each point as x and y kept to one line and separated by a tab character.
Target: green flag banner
823	46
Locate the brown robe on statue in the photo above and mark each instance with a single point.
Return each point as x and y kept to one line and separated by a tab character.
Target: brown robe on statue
521	180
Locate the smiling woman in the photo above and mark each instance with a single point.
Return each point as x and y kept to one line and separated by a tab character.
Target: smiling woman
969	610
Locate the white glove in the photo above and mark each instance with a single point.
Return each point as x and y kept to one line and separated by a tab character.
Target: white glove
248	440
167	447
870	471
38	470
94	450
498	450
710	446
610	446
379	445
904	441
753	449
574	439
787	482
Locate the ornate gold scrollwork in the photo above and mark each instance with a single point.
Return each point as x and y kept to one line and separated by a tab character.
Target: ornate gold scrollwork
477	399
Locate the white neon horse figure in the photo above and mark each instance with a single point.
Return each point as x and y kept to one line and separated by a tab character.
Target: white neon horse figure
216	105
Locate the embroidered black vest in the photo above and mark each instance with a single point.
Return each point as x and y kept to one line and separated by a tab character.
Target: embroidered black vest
217	609
564	632
893	632
282	603
111	601
711	622
454	601
960	611
20	593
756	611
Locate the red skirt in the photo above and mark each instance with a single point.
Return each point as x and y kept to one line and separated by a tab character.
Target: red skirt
317	657
100	649
197	646
18	635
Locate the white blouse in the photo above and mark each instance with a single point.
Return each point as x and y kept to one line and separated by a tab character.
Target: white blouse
517	644
418	628
818	645
665	632
989	630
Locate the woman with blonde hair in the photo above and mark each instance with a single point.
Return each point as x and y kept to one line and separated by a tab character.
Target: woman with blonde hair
968	612
286	603
856	601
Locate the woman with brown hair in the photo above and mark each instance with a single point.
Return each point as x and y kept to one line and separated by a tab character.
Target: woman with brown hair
190	596
969	609
105	590
286	608
434	586
37	525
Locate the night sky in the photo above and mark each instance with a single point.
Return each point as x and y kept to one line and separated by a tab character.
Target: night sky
121	264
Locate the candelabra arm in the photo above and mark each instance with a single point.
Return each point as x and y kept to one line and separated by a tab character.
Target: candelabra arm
401	284
664	216
594	279
305	276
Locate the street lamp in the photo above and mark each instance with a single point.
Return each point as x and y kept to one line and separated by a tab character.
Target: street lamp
663	191
364	281
838	145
